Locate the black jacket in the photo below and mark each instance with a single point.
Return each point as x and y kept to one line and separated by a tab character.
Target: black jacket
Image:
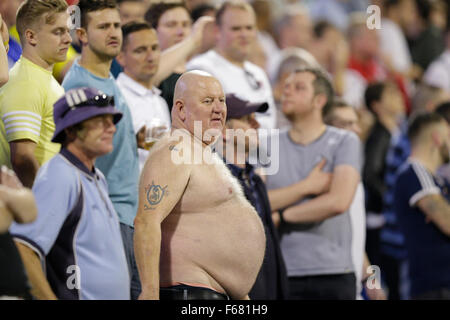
375	151
271	282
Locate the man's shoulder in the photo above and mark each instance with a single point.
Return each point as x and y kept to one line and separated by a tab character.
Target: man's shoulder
339	135
28	81
168	154
161	100
204	60
413	176
78	76
438	67
57	170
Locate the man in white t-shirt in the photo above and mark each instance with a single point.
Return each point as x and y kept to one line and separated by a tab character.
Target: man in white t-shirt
398	16
438	72
140	59
236	25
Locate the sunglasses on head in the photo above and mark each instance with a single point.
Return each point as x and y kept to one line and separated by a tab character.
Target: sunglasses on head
101	100
252	81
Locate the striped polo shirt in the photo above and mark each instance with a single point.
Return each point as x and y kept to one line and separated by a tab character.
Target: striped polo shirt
26	110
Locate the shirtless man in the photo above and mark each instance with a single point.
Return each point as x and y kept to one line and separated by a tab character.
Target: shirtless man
196	235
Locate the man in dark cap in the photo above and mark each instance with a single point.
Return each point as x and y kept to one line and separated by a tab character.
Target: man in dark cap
76	235
240	140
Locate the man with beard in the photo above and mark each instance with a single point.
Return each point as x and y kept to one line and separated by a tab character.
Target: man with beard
422	205
100	36
315	222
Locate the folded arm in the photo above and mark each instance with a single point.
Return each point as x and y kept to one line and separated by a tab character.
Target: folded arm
316	183
437	210
336	201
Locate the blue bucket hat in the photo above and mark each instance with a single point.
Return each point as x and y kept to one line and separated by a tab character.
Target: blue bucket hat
78	105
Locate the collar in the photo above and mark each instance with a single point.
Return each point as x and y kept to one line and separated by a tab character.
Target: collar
77	163
77	64
136	87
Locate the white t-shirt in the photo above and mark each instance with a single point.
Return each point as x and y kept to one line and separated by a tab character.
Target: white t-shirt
249	83
438	73
355	86
358	222
393	43
145	105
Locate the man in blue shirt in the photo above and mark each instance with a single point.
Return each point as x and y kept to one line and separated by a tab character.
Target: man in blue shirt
421	202
76	235
100	36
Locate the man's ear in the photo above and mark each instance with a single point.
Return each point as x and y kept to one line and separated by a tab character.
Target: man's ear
82	36
320	100
216	32
180	109
436	137
30	37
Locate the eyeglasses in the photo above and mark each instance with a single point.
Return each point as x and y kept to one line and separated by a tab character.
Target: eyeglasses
101	100
252	81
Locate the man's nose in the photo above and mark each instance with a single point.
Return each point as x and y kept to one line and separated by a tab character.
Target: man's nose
109	125
219	106
67	37
181	30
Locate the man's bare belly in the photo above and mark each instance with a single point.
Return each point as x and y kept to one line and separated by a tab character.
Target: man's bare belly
222	248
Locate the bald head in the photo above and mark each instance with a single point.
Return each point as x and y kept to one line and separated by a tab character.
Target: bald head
198	97
188	81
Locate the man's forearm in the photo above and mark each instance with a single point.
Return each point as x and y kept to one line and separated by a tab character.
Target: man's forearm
172	57
437	209
21	203
147	247
315	210
26	169
40	287
284	197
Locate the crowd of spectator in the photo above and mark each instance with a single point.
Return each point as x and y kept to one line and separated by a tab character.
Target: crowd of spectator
360	116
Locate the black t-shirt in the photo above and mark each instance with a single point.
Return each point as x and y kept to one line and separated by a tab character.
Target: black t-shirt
13	280
167	88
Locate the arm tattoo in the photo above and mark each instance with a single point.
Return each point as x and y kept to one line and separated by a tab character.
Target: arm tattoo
155	194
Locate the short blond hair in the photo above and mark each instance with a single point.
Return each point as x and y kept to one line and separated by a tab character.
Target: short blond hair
31	11
234	4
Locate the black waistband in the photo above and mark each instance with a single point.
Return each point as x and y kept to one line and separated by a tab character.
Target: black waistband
185	292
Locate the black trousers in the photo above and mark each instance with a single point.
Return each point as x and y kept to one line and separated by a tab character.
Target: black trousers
439	294
185	292
323	287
